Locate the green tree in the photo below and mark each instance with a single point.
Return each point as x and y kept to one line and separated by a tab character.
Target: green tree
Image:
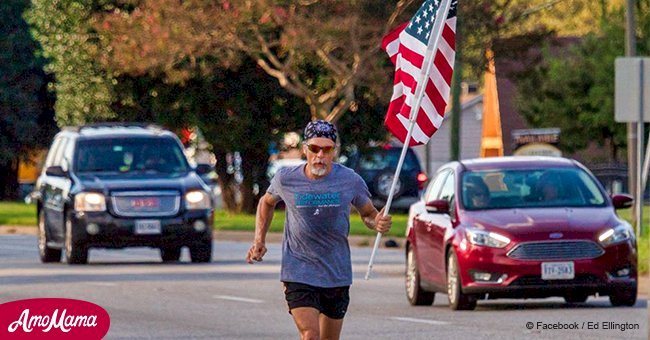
575	90
25	112
319	51
69	43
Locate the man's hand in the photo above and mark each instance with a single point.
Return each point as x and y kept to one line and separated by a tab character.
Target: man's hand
383	223
256	252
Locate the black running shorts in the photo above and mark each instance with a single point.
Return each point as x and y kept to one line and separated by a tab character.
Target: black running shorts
332	302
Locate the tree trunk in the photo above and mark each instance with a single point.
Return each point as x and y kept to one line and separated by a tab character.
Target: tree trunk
9	182
255	183
228	184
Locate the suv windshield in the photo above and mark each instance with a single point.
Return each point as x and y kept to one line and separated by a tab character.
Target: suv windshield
161	155
554	187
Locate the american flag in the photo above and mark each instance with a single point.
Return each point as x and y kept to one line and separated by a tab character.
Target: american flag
406	46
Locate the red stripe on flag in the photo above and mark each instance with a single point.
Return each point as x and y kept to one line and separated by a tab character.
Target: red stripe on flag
439	103
449	36
393	35
406	79
414	58
443	67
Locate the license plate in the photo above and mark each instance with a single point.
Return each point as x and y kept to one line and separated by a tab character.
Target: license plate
558	271
147	227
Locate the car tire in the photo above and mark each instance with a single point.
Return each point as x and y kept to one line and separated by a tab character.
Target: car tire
170	254
414	292
457	300
201	252
76	252
576	297
383	181
623	297
47	254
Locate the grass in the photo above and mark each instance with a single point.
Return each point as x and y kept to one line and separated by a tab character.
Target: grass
16	213
245	222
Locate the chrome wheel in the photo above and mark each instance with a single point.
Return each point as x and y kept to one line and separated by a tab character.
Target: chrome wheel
75	251
384	181
452	280
457	300
410	274
414	292
46	253
42	238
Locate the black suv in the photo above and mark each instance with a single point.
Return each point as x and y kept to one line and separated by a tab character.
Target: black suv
376	165
121	185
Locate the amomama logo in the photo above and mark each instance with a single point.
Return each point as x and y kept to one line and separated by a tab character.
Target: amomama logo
53	318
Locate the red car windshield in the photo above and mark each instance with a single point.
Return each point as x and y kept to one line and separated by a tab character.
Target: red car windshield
528	188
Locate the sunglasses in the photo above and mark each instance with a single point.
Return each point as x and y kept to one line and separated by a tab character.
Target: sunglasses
316	149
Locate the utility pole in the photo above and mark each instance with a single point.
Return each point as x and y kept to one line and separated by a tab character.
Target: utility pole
456	105
632	133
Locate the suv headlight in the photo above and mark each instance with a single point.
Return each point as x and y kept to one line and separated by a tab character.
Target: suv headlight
487	239
618	234
89	201
197	200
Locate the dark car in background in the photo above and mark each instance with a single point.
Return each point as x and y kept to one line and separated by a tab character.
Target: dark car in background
376	165
519	227
121	185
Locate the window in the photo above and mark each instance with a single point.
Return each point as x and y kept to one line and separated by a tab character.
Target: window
148	155
448	189
434	188
53	150
545	187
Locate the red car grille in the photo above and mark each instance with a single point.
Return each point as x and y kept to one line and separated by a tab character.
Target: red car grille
556	250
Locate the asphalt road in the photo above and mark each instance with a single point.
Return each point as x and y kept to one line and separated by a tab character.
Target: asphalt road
229	299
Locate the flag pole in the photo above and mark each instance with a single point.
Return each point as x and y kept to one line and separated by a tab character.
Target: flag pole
432	46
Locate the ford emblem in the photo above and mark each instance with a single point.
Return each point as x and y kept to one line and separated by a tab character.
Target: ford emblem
555	235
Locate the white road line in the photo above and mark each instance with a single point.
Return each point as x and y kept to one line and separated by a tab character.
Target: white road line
429	322
236	298
102	284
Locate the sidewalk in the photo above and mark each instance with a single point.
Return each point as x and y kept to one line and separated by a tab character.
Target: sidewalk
247	236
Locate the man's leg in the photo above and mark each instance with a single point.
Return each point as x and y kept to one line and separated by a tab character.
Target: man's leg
306	319
330	329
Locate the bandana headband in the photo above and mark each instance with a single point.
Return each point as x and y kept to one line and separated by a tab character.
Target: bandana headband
320	128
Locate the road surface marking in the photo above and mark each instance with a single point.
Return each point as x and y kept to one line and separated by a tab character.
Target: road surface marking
236	298
102	284
429	322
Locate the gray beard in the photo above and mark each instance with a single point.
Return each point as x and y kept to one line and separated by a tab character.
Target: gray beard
317	172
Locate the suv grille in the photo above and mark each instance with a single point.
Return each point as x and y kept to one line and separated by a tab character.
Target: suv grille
556	250
146	203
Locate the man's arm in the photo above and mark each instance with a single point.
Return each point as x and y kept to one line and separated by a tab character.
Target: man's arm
263	220
375	220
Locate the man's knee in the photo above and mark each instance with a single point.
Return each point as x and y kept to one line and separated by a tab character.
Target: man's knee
309	334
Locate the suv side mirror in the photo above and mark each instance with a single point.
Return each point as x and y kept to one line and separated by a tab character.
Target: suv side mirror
622	201
56	171
203	169
438	207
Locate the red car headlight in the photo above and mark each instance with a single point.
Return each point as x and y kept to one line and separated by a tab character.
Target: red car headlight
487	239
615	235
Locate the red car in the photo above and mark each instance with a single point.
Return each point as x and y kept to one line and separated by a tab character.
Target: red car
519	227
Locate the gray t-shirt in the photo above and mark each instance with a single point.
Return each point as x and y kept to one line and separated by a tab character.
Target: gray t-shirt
315	249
